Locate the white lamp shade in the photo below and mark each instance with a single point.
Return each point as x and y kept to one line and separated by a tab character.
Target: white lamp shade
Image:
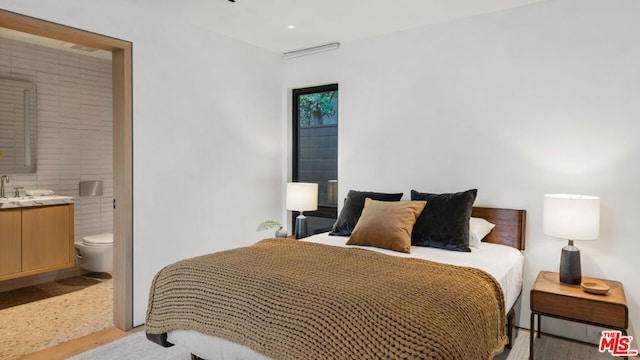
302	196
572	217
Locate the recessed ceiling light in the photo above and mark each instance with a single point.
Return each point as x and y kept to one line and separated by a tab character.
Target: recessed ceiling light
291	27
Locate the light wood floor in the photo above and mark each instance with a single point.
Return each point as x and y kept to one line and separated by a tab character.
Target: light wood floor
80	345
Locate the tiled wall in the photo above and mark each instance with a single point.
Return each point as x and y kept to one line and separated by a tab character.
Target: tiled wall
74	126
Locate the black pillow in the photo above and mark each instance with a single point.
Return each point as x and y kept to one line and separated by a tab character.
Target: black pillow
352	210
444	222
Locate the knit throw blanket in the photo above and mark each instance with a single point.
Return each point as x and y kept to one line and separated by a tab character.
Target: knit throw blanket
291	299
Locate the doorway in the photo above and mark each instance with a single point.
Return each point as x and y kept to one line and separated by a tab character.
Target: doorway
122	108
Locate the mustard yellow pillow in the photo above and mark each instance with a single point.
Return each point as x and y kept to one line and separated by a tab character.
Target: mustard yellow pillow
387	224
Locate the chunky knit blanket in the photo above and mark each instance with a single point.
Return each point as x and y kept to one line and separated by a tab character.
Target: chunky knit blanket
290	299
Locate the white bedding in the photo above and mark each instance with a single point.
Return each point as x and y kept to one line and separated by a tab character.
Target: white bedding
504	263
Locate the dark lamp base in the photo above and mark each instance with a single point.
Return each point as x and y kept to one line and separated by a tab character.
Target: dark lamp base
570	272
301	226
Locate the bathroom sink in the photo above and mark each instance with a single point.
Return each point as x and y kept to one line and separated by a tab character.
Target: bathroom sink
26	201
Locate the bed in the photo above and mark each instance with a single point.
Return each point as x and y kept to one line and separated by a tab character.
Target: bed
248	323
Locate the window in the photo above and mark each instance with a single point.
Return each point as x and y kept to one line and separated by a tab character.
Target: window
315	150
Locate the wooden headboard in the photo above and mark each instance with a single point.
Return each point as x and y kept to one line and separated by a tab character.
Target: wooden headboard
510	225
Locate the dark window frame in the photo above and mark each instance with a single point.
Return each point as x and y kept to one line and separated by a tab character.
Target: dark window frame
323	211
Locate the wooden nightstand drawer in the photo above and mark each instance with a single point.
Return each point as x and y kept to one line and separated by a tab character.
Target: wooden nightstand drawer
586	310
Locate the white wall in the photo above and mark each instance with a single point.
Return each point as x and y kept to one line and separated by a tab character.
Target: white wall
208	142
534	100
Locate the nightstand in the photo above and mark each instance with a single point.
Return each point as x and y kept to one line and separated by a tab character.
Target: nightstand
551	298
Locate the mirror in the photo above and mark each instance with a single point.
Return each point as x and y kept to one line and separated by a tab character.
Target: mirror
17	127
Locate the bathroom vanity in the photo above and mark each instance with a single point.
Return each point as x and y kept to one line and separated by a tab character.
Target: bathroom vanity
36	235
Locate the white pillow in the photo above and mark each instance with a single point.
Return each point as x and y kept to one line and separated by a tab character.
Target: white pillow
478	229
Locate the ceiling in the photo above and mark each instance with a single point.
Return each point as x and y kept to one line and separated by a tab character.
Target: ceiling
266	23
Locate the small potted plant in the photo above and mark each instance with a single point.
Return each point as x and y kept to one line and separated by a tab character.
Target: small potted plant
266	225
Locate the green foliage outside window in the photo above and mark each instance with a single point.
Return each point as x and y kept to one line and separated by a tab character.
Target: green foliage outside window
318	108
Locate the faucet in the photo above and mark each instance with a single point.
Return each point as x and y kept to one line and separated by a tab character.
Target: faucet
3	178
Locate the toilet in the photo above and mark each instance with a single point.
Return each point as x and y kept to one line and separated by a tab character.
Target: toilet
95	252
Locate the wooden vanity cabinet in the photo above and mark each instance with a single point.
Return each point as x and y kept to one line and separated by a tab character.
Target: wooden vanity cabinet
47	238
10	242
44	240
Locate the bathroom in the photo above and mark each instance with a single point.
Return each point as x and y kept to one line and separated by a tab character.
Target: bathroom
74	145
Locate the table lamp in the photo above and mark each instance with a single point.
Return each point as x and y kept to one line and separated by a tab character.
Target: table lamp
572	217
302	197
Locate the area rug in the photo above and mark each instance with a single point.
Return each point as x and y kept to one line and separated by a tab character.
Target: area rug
135	346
